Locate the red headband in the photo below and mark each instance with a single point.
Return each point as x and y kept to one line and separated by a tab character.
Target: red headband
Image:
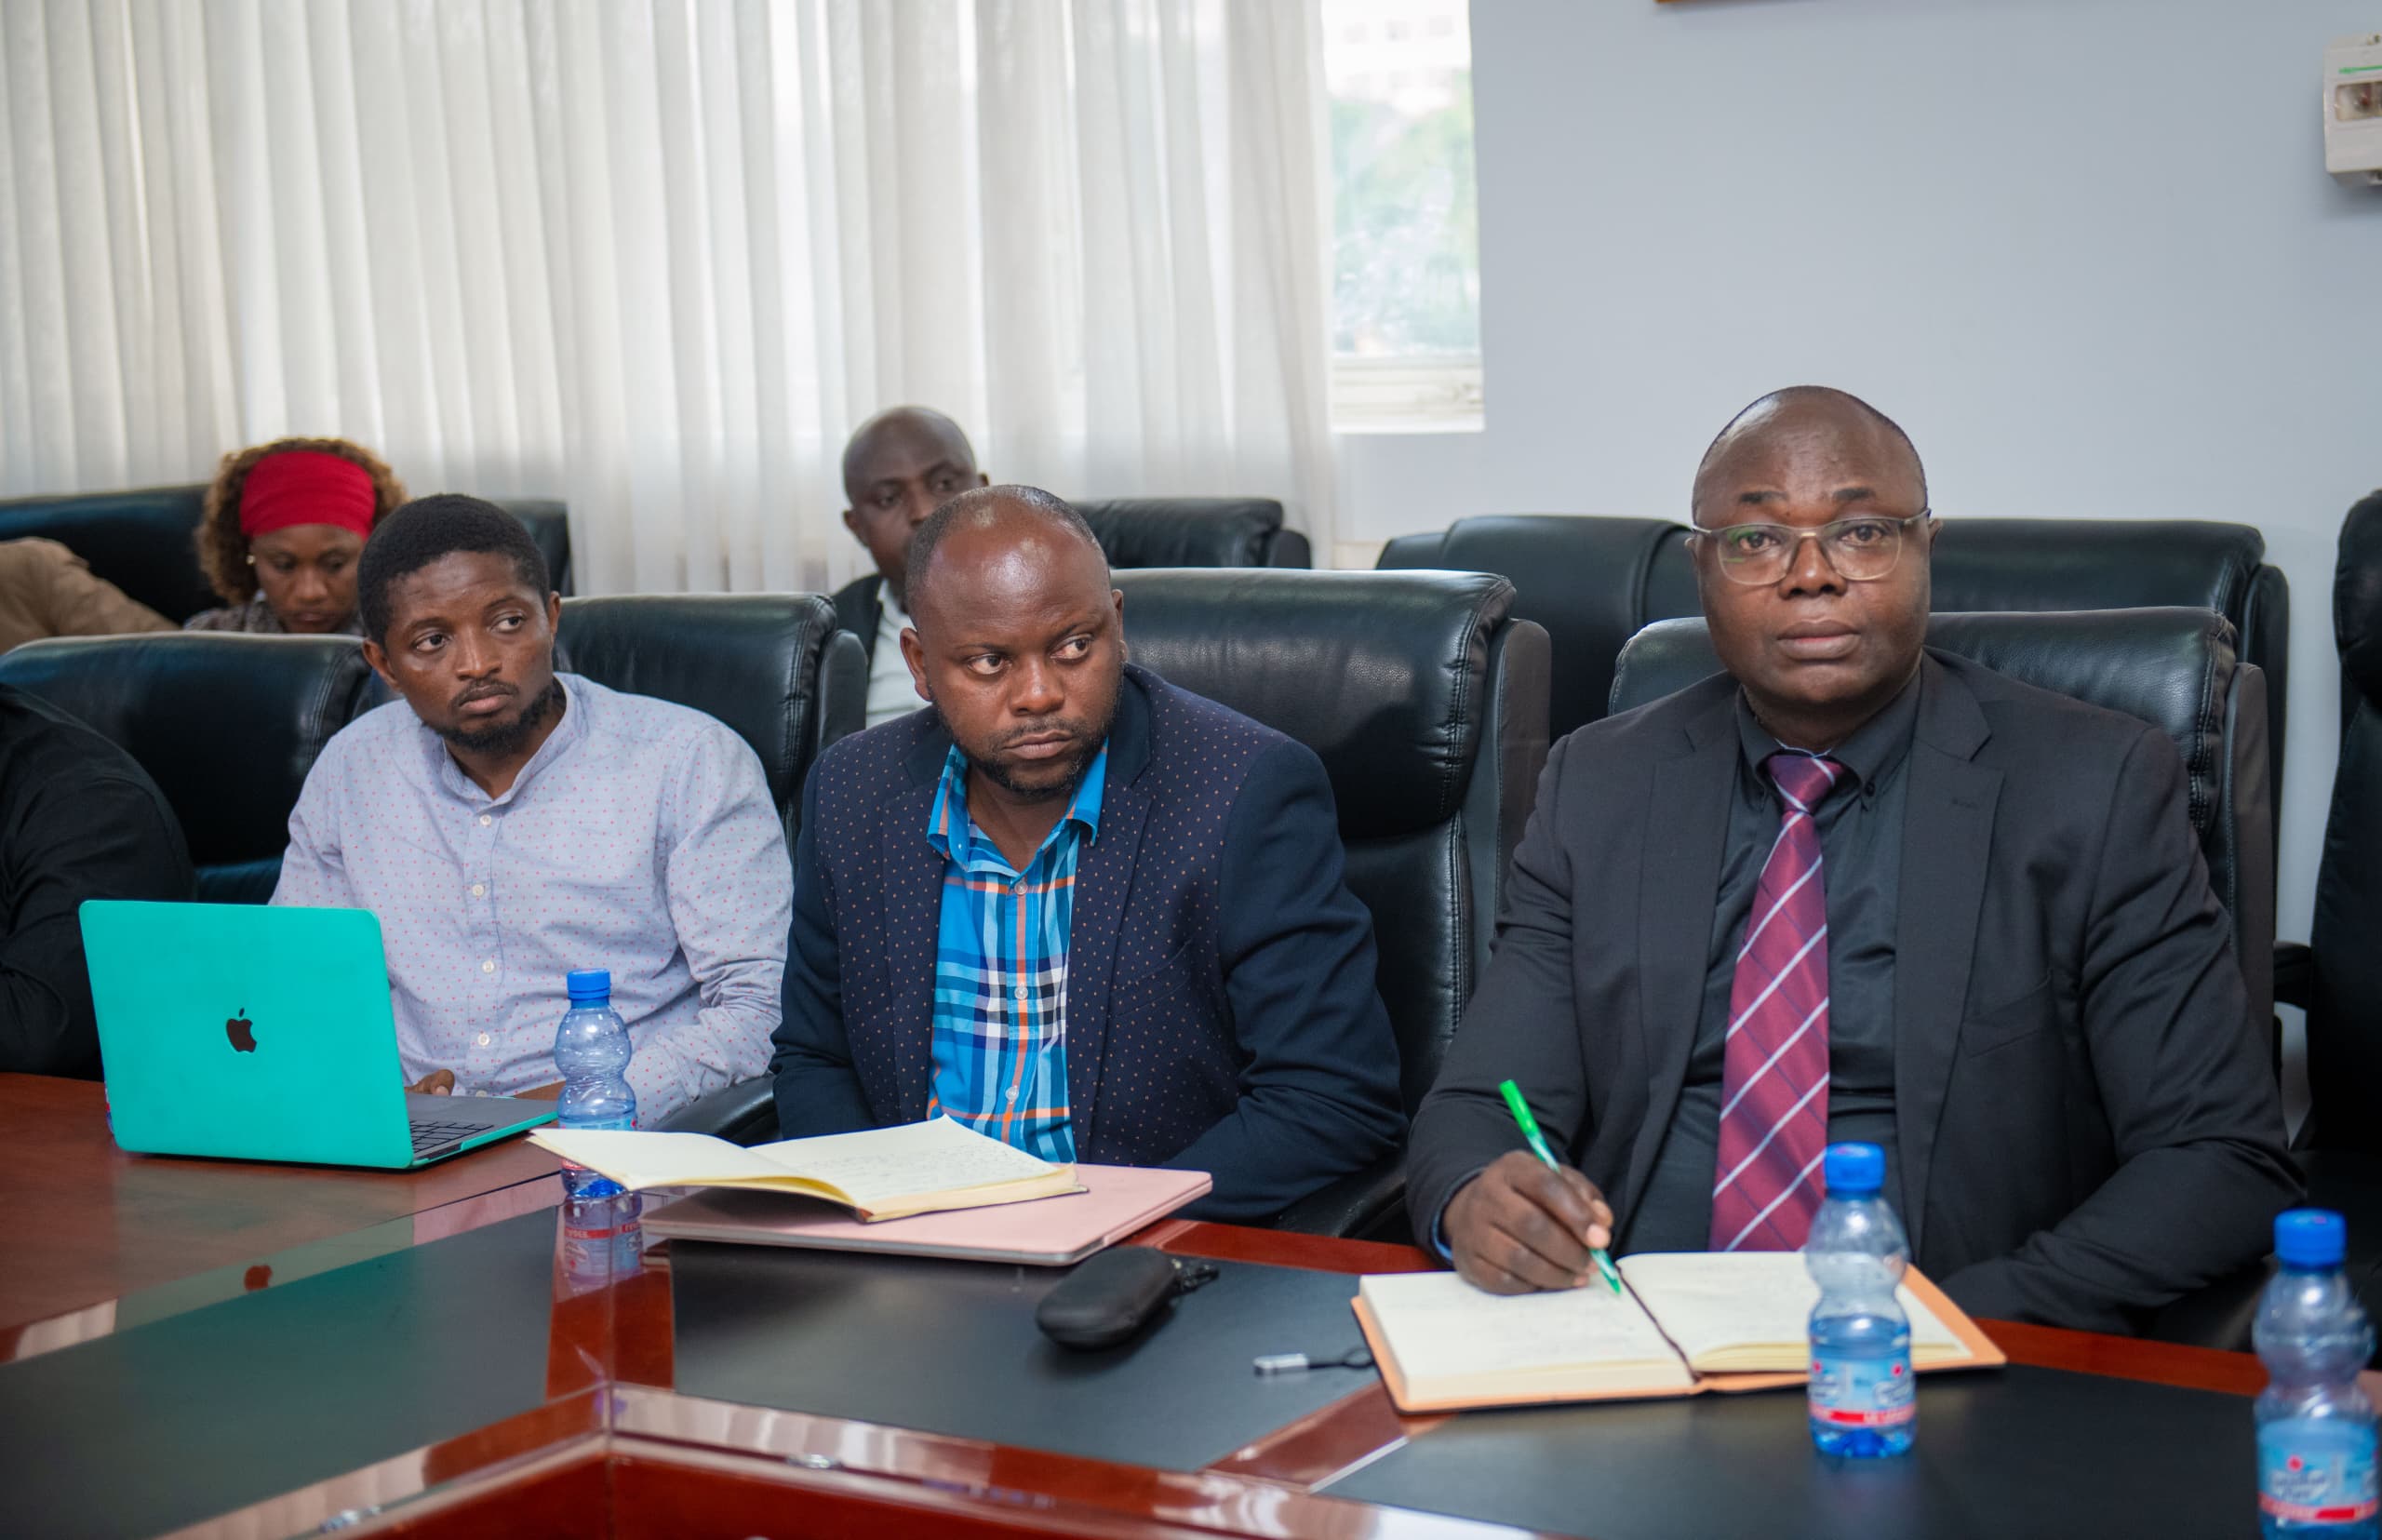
307	486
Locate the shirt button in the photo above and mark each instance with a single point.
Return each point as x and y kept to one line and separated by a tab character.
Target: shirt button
1021	991
486	821
483	1039
487	965
1012	1093
479	890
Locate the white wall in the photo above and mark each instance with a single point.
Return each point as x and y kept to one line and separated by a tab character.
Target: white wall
2084	250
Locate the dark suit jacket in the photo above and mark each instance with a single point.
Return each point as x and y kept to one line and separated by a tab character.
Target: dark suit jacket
858	611
2087	1122
1221	1009
78	819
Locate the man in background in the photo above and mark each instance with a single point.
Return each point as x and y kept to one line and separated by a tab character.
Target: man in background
901	465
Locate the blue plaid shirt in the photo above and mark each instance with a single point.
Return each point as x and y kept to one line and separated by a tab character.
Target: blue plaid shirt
1001	969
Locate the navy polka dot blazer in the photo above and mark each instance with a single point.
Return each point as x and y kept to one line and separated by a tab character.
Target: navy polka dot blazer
1221	1008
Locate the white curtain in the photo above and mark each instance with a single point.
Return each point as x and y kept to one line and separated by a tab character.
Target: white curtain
660	256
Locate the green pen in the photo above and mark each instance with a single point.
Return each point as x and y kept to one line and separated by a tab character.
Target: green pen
1520	1109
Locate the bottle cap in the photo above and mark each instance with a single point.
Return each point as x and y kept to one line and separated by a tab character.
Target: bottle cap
1855	1171
589	983
2311	1238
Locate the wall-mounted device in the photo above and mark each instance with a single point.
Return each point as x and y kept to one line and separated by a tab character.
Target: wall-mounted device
2353	109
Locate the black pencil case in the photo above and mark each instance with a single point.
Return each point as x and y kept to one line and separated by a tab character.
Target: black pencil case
1109	1296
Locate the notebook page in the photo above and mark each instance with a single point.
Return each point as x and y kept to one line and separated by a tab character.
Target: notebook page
641	1160
1712	1301
877	1165
1442	1328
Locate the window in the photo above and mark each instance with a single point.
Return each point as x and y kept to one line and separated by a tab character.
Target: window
1406	244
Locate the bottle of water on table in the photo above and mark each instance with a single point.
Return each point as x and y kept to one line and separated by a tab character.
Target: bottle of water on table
1863	1398
592	1051
2315	1425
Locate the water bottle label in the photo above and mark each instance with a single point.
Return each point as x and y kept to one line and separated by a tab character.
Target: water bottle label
601	1125
1863	1392
2307	1485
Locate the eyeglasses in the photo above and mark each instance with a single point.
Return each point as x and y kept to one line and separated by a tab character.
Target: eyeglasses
1861	549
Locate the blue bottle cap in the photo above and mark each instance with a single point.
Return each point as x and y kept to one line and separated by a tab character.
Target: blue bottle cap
2311	1238
1855	1171
589	983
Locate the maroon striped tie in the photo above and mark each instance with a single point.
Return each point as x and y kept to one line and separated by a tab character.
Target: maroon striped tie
1773	1082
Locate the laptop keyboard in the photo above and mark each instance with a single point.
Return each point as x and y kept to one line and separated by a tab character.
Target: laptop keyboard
428	1135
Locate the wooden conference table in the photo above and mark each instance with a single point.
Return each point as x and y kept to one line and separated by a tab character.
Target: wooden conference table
236	1349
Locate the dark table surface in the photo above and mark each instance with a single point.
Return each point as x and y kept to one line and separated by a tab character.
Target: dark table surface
212	1408
2000	1454
952	1348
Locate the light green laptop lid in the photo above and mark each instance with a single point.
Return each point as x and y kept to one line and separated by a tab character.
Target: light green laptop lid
245	1030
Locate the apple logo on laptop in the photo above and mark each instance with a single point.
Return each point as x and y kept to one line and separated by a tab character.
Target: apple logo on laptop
242	1032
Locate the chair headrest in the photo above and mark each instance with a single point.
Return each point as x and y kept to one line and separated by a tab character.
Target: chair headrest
1185	532
1382	674
140	541
1585	579
2167	666
227	725
751	660
2095	564
550	527
2357	598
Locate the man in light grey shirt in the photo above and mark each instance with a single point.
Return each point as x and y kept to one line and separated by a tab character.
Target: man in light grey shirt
508	825
900	466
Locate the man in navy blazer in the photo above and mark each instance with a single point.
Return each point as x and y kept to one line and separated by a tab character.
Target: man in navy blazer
1074	907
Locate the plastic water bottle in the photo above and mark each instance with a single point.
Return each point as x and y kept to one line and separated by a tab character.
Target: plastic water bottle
2315	1425
1863	1399
592	1051
602	1242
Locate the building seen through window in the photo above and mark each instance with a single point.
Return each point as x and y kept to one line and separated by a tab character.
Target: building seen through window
1406	246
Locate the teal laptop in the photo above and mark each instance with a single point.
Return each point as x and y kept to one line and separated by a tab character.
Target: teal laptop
265	1034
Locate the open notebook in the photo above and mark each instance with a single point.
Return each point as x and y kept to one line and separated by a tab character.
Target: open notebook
877	1173
1687	1321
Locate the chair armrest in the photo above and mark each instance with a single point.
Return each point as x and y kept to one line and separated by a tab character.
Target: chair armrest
2294	973
745	1113
1364	1205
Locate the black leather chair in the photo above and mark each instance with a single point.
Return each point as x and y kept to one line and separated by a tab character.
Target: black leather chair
1427	701
1196	532
142	540
1593	581
2338	976
2172	668
772	666
226	725
549	524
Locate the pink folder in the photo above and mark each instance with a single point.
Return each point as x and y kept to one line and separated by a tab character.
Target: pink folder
1049	1232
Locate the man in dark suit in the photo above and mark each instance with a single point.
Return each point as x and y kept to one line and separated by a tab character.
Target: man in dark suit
900	466
78	819
1075	907
1857	890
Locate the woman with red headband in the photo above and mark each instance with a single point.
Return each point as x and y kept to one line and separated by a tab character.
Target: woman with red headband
283	527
